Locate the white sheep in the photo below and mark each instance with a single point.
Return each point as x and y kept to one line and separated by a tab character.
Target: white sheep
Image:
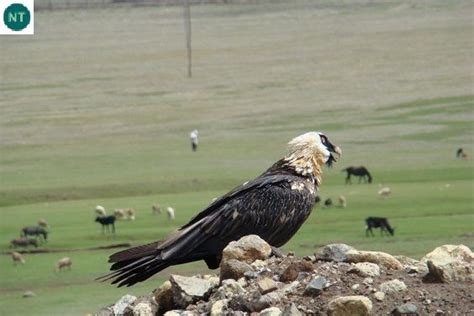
100	210
170	212
130	213
43	223
17	258
63	263
156	209
384	192
124	213
342	201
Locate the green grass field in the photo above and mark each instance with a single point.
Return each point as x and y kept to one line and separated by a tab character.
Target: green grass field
96	109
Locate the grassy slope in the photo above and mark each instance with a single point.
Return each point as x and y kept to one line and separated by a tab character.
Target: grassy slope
102	117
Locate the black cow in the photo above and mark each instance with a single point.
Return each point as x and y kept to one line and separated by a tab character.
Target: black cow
378	222
106	221
23	242
36	231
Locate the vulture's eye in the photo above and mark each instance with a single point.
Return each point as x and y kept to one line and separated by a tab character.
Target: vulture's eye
323	139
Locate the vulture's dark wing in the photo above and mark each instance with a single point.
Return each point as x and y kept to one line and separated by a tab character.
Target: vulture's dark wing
266	206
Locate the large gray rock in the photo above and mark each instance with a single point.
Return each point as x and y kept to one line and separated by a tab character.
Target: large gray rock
248	249
450	263
380	258
393	286
350	306
405	309
188	290
316	286
366	269
271	311
333	252
265	301
125	302
234	269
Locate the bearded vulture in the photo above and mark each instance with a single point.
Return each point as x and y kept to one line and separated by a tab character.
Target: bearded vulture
272	206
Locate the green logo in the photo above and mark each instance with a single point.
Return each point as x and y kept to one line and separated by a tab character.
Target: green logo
16	17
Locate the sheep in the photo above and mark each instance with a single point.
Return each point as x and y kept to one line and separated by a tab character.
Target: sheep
63	263
17	258
23	242
342	201
170	212
124	213
43	223
378	222
461	154
106	221
156	209
384	192
100	211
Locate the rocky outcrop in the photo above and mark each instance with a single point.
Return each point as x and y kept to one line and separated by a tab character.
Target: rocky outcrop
450	263
337	280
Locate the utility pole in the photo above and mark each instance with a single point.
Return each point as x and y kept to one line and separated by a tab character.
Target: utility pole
187	29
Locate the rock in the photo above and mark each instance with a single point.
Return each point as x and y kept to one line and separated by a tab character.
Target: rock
218	308
290	288
349	306
234	269
271	311
143	309
380	258
366	269
189	290
176	312
105	311
28	294
405	309
379	296
316	286
266	285
368	281
164	297
407	261
248	249
450	263
291	310
265	301
291	272
393	286
124	303
355	287
333	252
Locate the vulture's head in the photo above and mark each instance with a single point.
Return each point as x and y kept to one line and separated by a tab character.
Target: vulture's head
308	152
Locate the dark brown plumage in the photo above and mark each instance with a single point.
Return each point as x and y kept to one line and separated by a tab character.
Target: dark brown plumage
273	206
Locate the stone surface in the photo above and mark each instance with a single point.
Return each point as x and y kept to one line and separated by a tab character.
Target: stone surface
393	286
265	301
164	296
333	252
123	303
218	308
316	286
247	249
405	309
291	272
142	309
350	306
188	290
291	310
379	296
176	312
450	263
380	258
271	311
105	311
366	269
234	269
266	285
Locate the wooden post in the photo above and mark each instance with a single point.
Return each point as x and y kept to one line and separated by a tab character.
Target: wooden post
187	29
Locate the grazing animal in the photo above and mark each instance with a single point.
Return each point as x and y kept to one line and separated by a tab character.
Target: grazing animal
194	139
35	231
378	222
156	209
17	258
43	223
328	202
384	192
461	154
272	206
342	201
125	214
23	242
106	221
360	172
100	211
63	263
170	212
